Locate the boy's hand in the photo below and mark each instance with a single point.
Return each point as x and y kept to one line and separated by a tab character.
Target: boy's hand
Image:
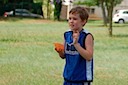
75	36
59	47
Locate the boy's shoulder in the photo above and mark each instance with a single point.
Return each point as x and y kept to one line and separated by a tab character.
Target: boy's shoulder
82	31
69	30
85	31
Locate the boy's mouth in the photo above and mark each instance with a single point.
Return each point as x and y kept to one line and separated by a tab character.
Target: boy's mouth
71	25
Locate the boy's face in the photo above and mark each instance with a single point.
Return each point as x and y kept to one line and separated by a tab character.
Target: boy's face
75	22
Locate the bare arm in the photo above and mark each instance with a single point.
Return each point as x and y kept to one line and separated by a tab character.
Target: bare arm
88	52
61	53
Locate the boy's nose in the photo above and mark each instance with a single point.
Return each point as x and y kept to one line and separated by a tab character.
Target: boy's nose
71	20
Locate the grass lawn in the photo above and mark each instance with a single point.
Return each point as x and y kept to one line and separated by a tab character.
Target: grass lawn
27	55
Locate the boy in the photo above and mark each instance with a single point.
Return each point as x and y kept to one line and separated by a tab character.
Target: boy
78	50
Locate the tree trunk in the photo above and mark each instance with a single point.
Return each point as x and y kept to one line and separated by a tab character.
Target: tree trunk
110	17
107	7
57	9
48	10
104	13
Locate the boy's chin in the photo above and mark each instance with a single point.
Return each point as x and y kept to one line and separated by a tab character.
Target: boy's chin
74	29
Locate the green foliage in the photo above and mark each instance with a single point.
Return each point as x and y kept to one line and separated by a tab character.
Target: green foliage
97	2
57	9
33	7
18	1
116	2
8	5
37	1
87	2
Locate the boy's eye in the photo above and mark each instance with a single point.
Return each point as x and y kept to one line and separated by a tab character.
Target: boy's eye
72	18
69	18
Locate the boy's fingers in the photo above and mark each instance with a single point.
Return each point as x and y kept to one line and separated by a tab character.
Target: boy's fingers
58	49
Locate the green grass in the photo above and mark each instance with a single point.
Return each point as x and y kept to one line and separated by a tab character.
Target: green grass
27	55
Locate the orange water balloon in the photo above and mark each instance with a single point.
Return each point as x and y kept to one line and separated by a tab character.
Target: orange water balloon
59	46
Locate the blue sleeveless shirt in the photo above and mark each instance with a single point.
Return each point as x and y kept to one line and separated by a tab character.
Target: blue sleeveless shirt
77	69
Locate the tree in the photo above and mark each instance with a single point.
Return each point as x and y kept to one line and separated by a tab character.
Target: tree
48	9
110	12
2	3
105	5
105	20
5	1
57	9
110	4
18	1
99	3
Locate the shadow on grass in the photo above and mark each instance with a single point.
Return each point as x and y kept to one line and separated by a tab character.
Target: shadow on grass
124	25
10	40
14	19
99	23
10	19
121	35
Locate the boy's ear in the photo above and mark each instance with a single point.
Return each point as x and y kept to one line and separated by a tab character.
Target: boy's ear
84	22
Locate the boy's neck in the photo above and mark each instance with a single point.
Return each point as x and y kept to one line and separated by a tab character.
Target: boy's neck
78	30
